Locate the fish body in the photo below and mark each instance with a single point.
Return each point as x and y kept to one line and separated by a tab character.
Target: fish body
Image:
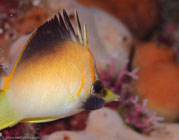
60	79
53	77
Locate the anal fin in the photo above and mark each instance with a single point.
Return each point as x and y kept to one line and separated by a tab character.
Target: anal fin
40	120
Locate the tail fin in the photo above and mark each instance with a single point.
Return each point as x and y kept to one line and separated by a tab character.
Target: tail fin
8	117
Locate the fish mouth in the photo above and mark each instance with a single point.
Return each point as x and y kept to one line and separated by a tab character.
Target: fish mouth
93	103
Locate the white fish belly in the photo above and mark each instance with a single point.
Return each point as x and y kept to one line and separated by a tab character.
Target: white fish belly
52	101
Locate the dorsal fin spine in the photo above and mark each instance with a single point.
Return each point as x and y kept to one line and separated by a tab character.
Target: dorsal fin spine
85	37
69	25
78	27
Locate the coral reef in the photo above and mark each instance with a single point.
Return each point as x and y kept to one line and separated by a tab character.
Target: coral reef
146	79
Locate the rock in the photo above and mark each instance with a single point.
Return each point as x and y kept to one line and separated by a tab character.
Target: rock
158	79
141	16
106	124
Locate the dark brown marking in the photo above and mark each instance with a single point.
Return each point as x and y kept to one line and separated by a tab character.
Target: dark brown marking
47	36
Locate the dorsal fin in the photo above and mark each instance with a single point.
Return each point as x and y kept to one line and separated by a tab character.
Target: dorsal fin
54	31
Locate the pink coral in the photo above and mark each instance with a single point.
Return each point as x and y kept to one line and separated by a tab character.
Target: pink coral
134	113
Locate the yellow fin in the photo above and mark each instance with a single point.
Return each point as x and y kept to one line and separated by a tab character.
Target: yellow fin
8	117
40	120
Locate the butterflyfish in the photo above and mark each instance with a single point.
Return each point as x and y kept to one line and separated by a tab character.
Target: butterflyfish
53	77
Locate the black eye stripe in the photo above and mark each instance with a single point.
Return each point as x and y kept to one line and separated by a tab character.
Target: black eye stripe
93	103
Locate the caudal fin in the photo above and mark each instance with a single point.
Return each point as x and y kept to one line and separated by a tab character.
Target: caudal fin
8	117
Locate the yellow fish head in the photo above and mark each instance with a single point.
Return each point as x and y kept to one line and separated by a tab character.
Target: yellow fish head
99	96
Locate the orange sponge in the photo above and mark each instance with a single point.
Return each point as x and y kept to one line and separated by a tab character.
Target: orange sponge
158	79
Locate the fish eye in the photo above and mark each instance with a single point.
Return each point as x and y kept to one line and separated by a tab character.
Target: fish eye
97	87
